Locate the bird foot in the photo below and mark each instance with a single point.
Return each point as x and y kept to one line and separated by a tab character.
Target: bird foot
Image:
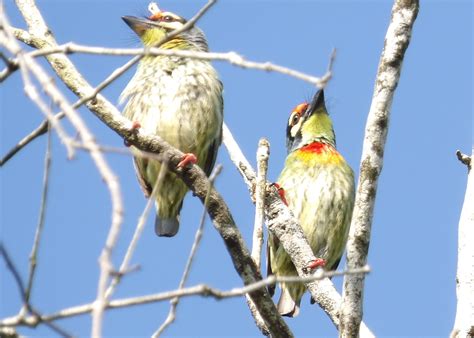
135	126
188	158
317	263
281	192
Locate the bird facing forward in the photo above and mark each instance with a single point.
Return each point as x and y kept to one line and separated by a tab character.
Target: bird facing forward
178	99
318	187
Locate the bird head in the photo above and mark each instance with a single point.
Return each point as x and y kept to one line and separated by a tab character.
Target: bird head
309	123
154	28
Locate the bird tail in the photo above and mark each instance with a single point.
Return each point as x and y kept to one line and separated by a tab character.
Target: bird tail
166	227
287	305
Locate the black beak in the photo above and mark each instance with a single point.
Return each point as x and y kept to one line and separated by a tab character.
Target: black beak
317	104
138	25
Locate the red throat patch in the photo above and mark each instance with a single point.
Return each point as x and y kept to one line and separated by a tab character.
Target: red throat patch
320	152
316	147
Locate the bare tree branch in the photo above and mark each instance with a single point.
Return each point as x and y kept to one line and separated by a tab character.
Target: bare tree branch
464	322
231	57
398	36
263	153
27	64
464	159
40	130
198	290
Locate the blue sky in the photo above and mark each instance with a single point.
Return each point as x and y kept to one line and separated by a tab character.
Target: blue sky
411	290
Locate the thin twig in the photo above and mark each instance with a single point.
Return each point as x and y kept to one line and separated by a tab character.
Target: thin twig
464	159
11	67
124	267
30	89
197	290
263	153
21	287
197	240
16	275
41	218
231	57
239	159
40	130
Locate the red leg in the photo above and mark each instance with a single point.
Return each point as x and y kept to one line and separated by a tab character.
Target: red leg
135	126
317	263
281	192
187	159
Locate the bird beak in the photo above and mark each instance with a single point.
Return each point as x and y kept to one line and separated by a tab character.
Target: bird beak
138	25
317	104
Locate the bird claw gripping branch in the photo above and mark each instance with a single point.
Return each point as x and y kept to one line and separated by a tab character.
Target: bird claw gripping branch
314	264
135	126
281	192
187	159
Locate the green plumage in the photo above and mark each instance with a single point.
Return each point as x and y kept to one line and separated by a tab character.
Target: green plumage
179	99
319	187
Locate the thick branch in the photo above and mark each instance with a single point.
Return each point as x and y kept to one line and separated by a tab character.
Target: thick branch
464	322
404	13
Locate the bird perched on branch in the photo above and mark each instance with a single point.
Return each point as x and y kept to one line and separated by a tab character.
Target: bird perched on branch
178	99
318	186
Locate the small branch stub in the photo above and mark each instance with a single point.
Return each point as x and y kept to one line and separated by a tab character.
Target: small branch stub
464	159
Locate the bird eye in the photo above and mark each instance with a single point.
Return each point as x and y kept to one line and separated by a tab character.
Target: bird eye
167	18
294	119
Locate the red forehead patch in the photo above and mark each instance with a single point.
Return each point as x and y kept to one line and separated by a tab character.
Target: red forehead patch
155	16
301	108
